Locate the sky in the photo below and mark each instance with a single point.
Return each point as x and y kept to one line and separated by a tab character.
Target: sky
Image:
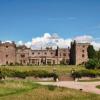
31	21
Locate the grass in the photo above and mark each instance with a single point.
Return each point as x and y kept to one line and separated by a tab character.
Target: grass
39	92
28	90
14	87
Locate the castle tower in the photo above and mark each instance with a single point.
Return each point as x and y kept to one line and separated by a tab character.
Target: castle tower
7	53
78	53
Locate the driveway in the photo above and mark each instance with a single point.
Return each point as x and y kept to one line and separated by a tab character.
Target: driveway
85	86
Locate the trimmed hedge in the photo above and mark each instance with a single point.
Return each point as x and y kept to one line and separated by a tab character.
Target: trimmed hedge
23	74
86	73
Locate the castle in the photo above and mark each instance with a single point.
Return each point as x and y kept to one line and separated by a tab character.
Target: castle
10	54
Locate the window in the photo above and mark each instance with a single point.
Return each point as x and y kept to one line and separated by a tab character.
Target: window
83	55
24	61
22	55
83	46
33	53
45	53
51	53
38	52
6	56
6	46
83	51
6	62
64	54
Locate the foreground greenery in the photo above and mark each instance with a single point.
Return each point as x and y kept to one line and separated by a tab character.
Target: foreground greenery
98	86
26	90
59	69
47	71
93	73
9	87
94	58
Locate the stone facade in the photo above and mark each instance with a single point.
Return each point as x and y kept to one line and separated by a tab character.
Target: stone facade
78	53
12	54
7	53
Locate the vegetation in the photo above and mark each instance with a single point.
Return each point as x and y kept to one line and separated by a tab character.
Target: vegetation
91	64
25	90
86	73
6	72
91	52
98	86
94	58
15	87
58	69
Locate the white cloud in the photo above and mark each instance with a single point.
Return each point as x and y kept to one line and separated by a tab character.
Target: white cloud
50	40
7	41
20	43
28	44
88	39
84	39
96	45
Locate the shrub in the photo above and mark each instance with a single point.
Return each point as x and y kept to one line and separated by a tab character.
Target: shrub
22	74
86	73
76	75
91	64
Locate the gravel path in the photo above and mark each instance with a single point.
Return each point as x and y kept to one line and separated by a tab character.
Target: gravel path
85	86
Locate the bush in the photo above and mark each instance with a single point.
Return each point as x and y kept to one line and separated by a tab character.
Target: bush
76	75
86	73
20	74
23	74
91	64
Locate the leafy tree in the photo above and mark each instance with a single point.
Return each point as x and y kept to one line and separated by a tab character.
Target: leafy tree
98	55
97	59
91	64
91	52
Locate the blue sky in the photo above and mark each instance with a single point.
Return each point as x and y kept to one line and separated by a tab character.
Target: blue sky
26	19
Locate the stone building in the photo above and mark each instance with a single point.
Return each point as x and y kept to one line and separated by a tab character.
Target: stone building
7	53
12	54
78	53
22	55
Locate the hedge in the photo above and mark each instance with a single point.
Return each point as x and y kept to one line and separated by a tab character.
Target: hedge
23	74
86	73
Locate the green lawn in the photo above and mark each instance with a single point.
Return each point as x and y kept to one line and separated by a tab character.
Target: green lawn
9	87
20	90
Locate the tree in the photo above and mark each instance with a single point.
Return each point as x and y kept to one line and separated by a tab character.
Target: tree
98	55
91	64
98	58
91	52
